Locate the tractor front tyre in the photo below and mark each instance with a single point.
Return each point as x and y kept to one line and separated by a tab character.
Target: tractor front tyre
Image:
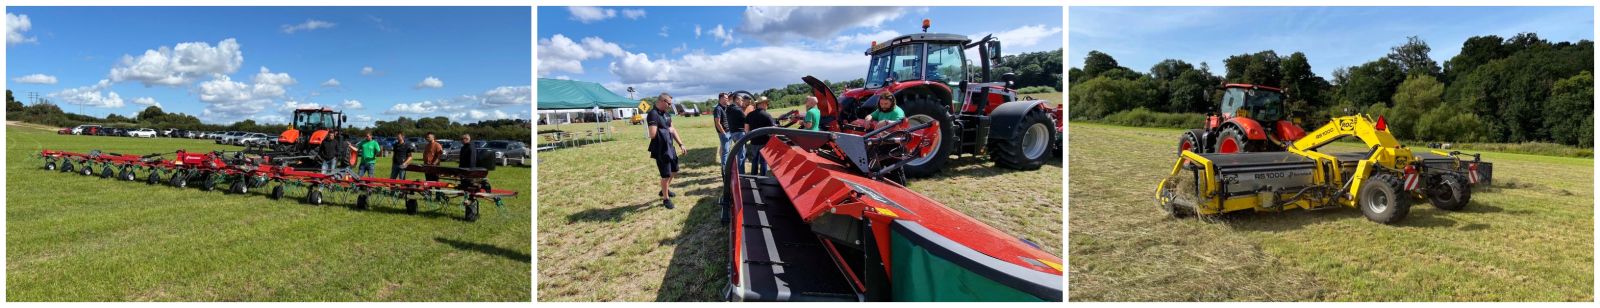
1381	201
1190	141
472	209
1231	140
925	109
1027	150
1450	194
411	206
277	192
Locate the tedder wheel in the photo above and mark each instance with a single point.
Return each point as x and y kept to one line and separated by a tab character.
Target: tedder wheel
50	165
472	209
180	179
277	192
314	197
1450	194
361	202
238	187
1025	151
105	172
920	109
66	166
88	170
1190	141
1231	140
208	181
155	176
127	174
411	206
1380	199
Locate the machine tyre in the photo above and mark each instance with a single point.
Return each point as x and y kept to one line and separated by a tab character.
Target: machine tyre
472	209
1231	140
1451	194
1380	199
411	206
88	170
361	202
179	180
1028	149
238	187
930	107
152	178
106	172
314	197
50	166
277	192
128	175
66	166
208	182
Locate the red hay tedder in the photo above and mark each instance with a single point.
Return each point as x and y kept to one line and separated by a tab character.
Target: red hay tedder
243	173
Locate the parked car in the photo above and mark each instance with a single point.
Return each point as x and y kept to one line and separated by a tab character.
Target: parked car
142	133
86	129
230	137
253	139
451	148
508	152
64	131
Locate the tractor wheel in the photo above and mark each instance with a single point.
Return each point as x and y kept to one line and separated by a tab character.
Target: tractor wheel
1190	141
277	192
925	109
411	206
314	197
361	202
1450	194
152	178
50	166
1381	201
472	209
1231	140
1026	151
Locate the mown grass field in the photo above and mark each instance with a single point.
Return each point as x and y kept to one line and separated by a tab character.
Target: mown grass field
1530	237
76	238
604	236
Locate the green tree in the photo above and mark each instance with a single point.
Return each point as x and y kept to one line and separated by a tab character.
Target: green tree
1260	68
150	114
1101	96
1571	105
1419	94
1098	62
1373	82
1412	57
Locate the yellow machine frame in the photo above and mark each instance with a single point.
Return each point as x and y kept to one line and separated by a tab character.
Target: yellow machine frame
1387	155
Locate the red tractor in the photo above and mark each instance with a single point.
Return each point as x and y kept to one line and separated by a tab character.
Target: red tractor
1252	118
932	81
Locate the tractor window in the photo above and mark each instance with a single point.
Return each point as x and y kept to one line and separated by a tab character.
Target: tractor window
1232	100
944	63
907	62
878	70
1265	105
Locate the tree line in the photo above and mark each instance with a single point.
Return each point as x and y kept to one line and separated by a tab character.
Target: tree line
1517	89
47	113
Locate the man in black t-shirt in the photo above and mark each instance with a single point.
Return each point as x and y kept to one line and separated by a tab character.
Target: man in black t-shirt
734	114
757	119
469	153
402	157
663	137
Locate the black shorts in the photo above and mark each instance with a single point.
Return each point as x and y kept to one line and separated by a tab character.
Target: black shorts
666	166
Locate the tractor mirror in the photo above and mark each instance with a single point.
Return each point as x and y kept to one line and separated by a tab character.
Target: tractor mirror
994	51
1008	77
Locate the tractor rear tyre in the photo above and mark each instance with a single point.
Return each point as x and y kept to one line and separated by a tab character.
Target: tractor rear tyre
1231	140
1190	141
411	206
1451	193
361	202
314	197
920	109
277	192
472	209
1381	200
1025	151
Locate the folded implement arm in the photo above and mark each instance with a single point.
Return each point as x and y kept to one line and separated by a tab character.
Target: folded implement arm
1381	181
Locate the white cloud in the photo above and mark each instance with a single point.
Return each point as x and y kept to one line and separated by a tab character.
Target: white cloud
776	24
228	99
331	83
92	96
633	13
588	14
367	70
15	26
1026	36
663	32
352	104
147	101
480	115
417	108
696	31
755	68
561	54
862	41
36	79
179	65
564	77
310	24
429	83
508	95
724	35
291	105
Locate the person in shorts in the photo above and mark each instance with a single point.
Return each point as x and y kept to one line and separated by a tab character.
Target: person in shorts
665	146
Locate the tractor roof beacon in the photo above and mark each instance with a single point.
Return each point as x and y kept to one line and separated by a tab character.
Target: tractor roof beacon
932	80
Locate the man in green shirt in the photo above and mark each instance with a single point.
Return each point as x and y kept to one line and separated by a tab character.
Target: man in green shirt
813	119
887	110
369	155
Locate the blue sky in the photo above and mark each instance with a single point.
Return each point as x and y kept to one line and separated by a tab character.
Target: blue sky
1331	37
225	64
695	52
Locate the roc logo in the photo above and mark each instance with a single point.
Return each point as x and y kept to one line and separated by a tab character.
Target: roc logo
1347	125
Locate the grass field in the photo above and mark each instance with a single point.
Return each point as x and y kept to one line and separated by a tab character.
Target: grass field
76	238
604	236
1528	238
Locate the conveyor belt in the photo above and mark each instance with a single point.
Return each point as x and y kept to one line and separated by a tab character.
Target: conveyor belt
782	260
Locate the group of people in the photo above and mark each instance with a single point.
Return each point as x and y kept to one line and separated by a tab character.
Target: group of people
735	114
335	153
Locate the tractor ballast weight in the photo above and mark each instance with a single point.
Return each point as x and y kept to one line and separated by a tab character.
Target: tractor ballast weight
1382	182
830	223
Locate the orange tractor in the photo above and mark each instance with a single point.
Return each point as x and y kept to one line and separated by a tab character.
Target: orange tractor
1252	118
309	128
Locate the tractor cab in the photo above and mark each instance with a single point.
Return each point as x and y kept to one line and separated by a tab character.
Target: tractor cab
310	126
1264	104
